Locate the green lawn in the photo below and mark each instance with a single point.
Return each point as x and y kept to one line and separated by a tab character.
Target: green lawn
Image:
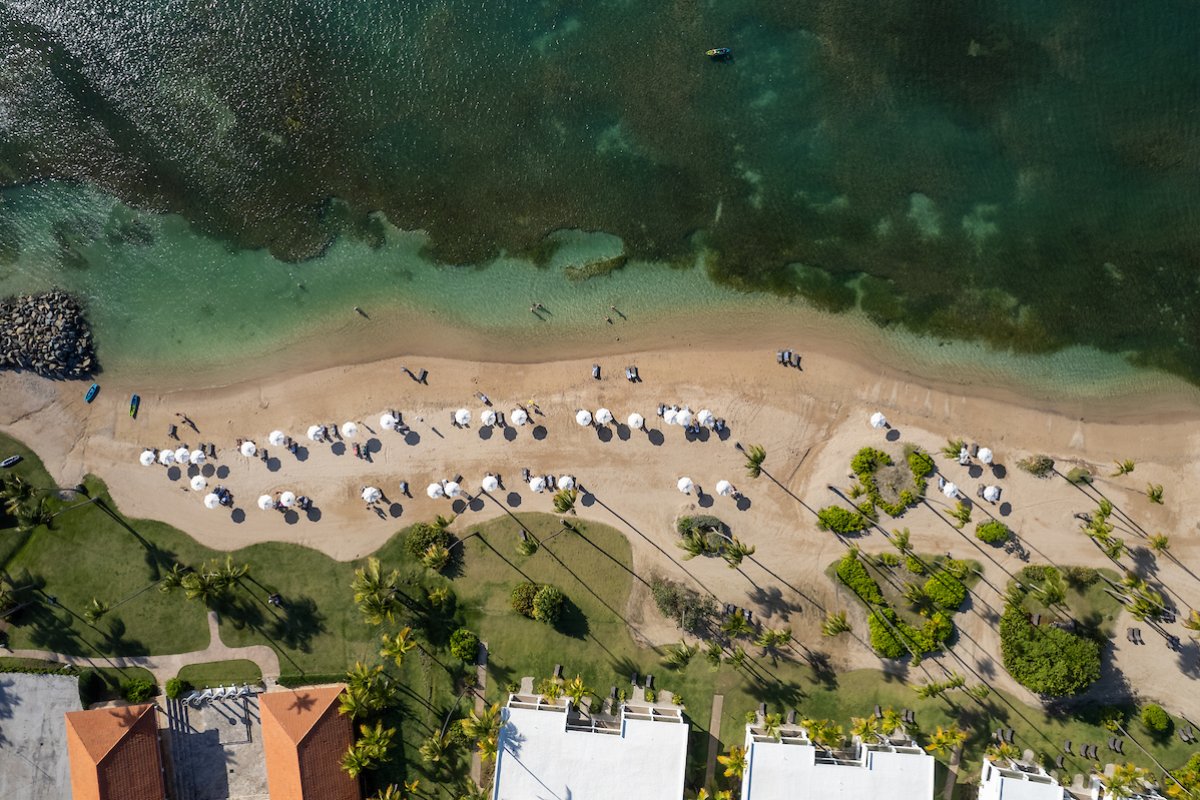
220	673
318	633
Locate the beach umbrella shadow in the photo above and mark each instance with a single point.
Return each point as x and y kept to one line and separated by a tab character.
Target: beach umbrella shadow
724	433
656	437
412	438
587	499
623	432
291	517
395	510
374	445
174	474
313	514
705	500
510	433
513	499
604	433
975	471
193	471
743	503
302	454
485	432
893	435
458	506
222	472
540	432
338	448
273	464
1005	509
208	470
476	504
999	472
238	516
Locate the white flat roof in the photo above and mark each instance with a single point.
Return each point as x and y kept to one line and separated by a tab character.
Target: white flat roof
787	770
1009	783
539	758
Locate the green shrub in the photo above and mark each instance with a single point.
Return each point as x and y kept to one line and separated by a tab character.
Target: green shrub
839	520
1039	466
1079	475
703	522
957	567
688	608
422	537
1080	577
522	598
1156	720
889	559
868	459
914	565
947	592
922	641
1048	660
992	531
464	644
548	605
176	688
852	573
921	463
138	690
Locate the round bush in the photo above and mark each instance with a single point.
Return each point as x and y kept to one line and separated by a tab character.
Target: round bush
993	532
839	520
548	605
522	598
1155	719
464	645
422	537
175	688
921	463
138	690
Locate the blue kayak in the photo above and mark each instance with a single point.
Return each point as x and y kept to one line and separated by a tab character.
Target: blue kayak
134	402
92	392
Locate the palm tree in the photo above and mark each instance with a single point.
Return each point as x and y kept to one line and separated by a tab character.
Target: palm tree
736	625
95	610
772	641
173	578
29	517
827	735
1002	751
203	586
755	456
564	501
488	747
1124	467
1053	589
389	792
1125	781
1113	547
230	573
376	742
354	703
436	747
737	657
946	740
376	594
480	724
953	448
864	727
436	557
1155	492
679	656
720	794
771	725
735	551
470	791
395	647
551	689
355	761
900	539
919	599
1160	543
14	491
734	762
694	543
576	690
835	623
714	652
1192	623
890	721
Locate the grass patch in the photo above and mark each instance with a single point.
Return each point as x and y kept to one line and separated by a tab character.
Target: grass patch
220	673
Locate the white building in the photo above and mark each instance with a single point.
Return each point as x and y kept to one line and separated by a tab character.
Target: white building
791	767
546	752
1017	782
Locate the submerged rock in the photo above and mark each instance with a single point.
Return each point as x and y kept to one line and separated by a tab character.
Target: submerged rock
47	334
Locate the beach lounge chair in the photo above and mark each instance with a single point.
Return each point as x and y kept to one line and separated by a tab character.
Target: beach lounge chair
420	376
1008	735
634	679
779	357
762	710
1037	620
596	371
1119	745
649	681
1067	745
795	360
173	432
558	670
878	712
525	474
791	716
612	693
636	377
1058	762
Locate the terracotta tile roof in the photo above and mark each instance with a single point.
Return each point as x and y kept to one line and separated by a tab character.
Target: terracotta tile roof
114	754
304	738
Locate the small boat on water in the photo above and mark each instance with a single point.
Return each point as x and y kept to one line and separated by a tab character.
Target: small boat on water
91	393
719	53
134	403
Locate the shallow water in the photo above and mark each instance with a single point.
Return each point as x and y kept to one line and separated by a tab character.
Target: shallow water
1022	172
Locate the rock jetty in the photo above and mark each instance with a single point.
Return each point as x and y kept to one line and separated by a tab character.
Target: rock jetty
47	334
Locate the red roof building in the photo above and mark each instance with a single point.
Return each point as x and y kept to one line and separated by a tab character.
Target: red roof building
114	754
304	739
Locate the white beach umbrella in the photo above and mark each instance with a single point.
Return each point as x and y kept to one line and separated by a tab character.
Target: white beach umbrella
371	494
950	490
878	420
706	418
166	457
538	484
349	430
519	416
684	417
669	415
685	485
147	458
724	488
487	417
435	490
985	455
387	422
603	416
198	483
636	421
182	455
452	489
277	438
583	417
462	416
197	457
566	482
490	483
287	499
211	500
314	433
991	493
266	502
249	449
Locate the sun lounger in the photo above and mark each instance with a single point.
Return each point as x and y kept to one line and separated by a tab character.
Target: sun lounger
420	376
1058	762
878	712
636	377
612	694
634	679
795	360
558	670
596	371
1037	620
1067	745
779	357
762	710
1183	737
791	716
649	681
1008	735
1119	745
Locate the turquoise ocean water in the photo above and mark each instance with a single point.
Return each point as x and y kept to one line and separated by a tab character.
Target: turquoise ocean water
219	177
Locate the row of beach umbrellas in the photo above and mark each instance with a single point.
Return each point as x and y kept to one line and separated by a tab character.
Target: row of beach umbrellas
723	487
168	457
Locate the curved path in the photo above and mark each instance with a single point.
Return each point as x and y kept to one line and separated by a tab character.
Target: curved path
165	667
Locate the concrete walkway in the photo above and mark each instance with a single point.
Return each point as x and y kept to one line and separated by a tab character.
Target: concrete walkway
480	706
714	738
164	667
951	774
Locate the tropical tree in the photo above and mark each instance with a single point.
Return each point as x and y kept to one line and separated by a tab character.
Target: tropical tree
434	749
890	721
1160	543
900	540
736	625
755	456
694	543
229	573
1053	589
865	728
1002	751
720	794
953	448
734	762
488	747
389	792
1192	623
481	724
1155	492
368	690
1124	467
919	599
173	578
835	623
576	690
32	515
470	791
735	550
737	657
204	586
714	652
946	740
827	735
1125	780
354	761
771	725
376	741
377	595
772	641
436	557
397	646
95	610
1113	547
564	501
679	656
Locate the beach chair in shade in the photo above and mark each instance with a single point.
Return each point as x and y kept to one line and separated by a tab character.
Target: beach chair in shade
649	681
791	716
634	679
558	671
636	377
779	356
762	710
878	712
1058	762
245	690
1067	745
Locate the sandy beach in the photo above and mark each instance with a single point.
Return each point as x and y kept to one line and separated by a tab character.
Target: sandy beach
810	421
